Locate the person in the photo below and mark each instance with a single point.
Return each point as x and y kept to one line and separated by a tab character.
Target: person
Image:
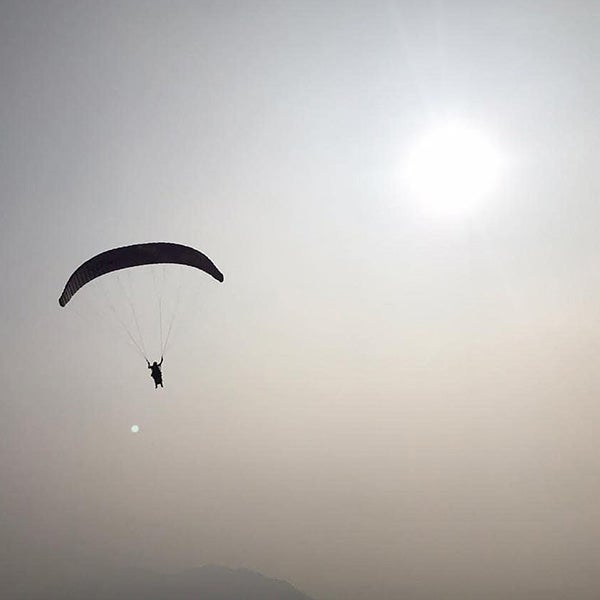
155	372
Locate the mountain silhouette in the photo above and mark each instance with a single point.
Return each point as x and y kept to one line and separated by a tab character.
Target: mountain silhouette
209	582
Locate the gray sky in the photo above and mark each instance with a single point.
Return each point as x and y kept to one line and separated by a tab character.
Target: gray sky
376	403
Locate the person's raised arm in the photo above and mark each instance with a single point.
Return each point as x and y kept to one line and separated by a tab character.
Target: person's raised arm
161	359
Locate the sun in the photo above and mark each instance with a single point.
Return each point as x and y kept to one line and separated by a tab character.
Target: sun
452	169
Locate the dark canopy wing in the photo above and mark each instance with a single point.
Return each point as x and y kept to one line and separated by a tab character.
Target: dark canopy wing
134	256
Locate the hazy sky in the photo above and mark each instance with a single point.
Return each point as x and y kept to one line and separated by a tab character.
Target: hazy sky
376	403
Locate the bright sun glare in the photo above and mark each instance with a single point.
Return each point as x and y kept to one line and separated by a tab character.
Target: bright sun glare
452	169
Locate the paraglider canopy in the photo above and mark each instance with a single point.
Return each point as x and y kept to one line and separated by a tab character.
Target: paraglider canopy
134	256
138	309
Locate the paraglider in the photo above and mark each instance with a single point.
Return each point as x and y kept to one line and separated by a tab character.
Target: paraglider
156	372
138	255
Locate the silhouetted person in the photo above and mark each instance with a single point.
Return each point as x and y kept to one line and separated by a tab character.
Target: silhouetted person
155	372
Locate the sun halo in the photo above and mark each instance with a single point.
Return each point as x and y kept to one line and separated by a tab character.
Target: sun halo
452	169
